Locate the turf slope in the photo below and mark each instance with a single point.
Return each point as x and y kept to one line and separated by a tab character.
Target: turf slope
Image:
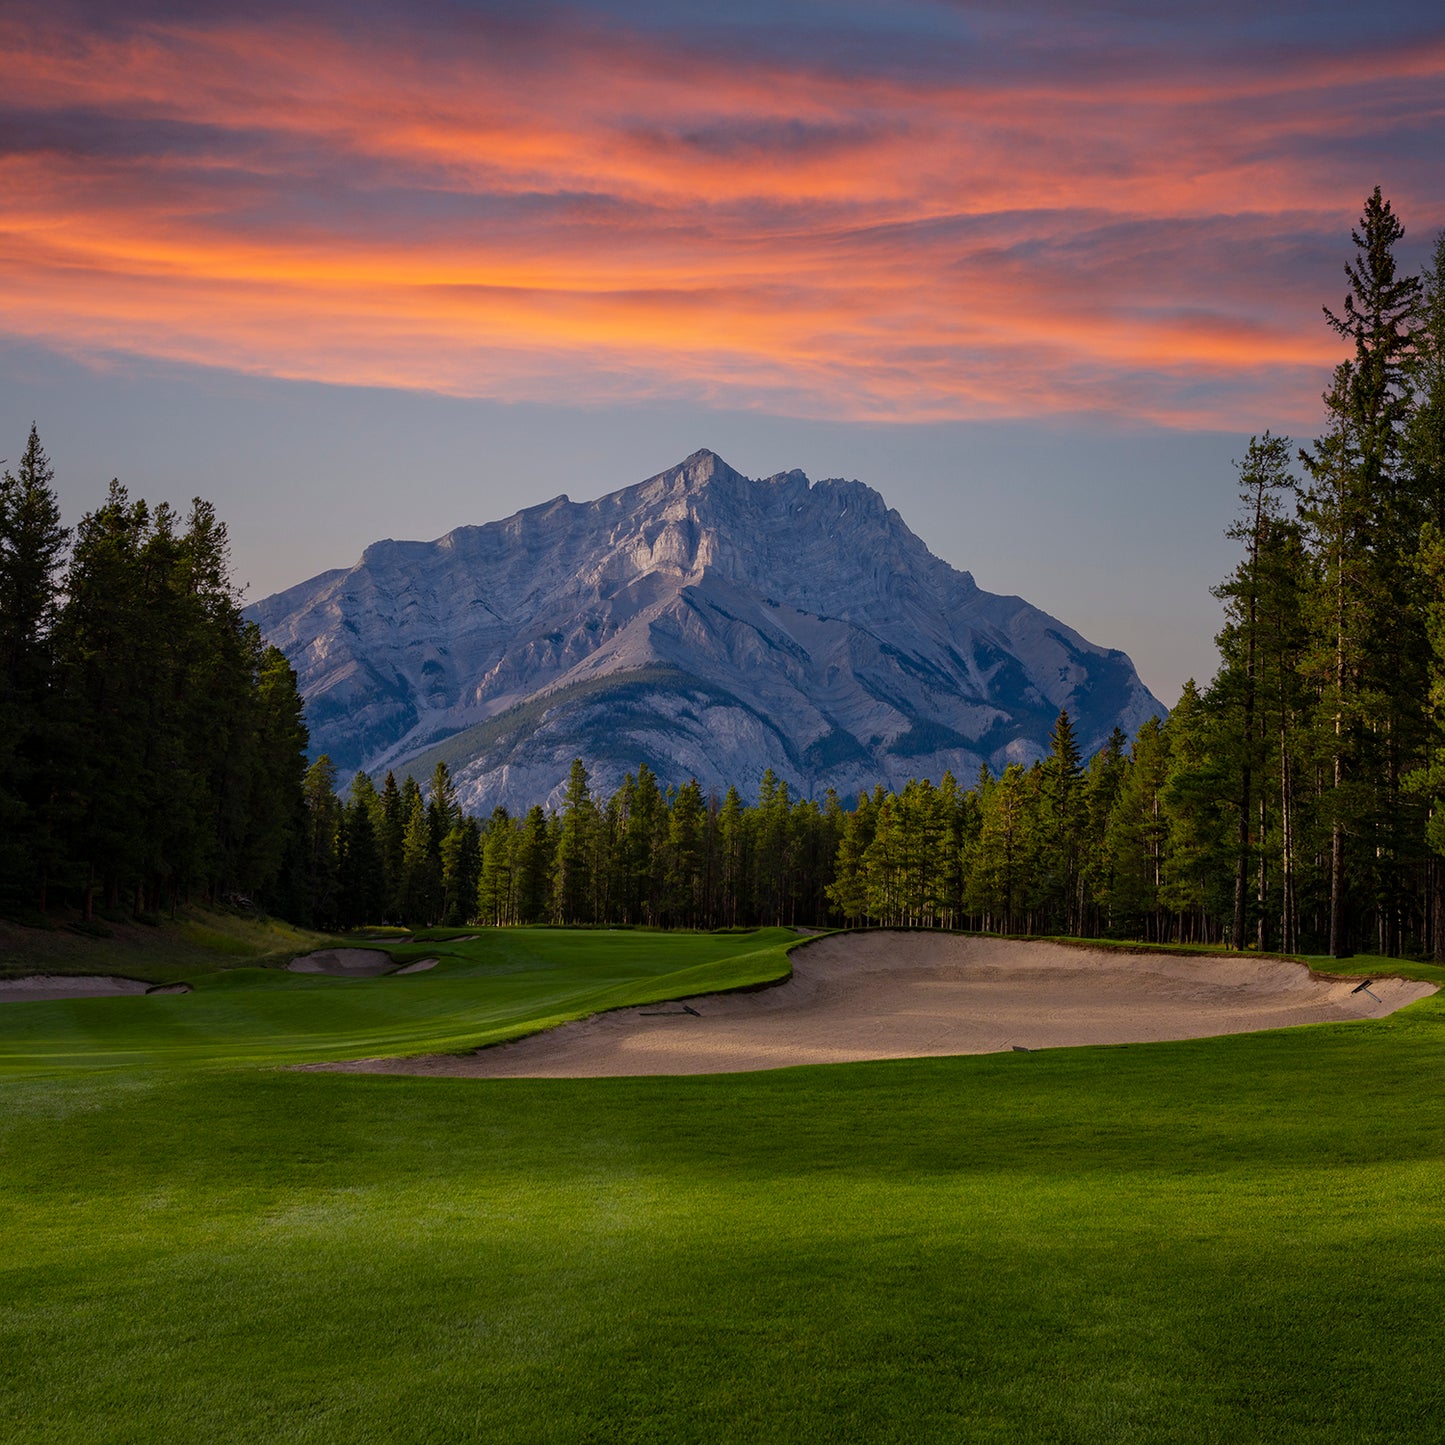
1229	1239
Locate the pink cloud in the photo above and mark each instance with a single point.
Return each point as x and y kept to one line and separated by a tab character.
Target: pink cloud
605	216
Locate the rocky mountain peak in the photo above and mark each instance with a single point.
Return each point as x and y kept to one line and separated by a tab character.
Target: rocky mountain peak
700	621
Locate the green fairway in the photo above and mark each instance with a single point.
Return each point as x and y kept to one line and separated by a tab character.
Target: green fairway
483	989
1223	1240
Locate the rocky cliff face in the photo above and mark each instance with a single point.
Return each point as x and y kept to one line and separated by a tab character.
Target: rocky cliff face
701	622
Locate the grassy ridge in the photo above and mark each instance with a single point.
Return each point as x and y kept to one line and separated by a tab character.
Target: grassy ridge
1217	1240
197	941
483	990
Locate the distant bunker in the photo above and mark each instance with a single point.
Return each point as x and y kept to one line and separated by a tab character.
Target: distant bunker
355	963
885	995
42	987
344	962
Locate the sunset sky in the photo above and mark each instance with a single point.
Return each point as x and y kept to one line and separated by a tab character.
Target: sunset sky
1034	270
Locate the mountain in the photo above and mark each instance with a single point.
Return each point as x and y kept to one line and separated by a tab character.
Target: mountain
701	622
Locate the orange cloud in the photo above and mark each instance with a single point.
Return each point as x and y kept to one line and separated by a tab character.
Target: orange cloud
599	217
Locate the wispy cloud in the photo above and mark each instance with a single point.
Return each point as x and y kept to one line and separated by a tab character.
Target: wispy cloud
906	224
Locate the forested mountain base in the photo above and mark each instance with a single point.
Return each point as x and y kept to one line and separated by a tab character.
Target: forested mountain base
152	749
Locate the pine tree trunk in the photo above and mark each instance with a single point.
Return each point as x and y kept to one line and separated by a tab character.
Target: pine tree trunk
1262	935
1288	929
1337	832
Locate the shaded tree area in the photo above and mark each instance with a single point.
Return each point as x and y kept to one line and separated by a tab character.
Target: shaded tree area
647	856
152	748
1294	804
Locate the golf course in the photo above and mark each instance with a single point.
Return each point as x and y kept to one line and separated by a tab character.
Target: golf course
1231	1238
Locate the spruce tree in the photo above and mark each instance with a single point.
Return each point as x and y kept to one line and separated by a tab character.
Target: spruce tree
735	861
574	854
32	547
105	663
419	895
391	835
496	894
1424	451
1264	475
685	853
1061	848
532	862
270	857
323	844
1361	520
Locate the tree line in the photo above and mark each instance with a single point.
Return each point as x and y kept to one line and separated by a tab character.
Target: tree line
1133	843
1325	743
646	856
152	747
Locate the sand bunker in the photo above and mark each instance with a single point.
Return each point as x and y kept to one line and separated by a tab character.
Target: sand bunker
344	962
41	986
910	995
420	966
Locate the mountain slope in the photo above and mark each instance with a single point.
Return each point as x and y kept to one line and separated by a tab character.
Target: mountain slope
702	622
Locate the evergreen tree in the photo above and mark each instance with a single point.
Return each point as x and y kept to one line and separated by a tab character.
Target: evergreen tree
1195	799
1263	475
105	668
774	855
686	824
363	878
421	883
32	546
532	863
1101	783
1359	518
573	888
1001	872
1424	449
461	871
736	863
276	809
391	835
1061	848
443	812
496	893
1136	838
323	844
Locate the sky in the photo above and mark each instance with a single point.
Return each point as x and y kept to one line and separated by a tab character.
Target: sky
1036	271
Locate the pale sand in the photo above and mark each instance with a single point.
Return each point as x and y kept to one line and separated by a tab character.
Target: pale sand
41	986
420	966
909	995
344	962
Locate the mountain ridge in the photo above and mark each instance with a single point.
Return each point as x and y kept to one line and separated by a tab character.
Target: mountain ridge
783	622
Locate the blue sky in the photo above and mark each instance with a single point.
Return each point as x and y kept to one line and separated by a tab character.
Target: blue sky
376	270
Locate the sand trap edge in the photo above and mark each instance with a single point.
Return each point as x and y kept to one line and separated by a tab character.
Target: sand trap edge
1157	962
52	987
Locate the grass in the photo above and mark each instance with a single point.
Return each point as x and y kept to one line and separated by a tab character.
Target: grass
484	989
196	941
1232	1239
